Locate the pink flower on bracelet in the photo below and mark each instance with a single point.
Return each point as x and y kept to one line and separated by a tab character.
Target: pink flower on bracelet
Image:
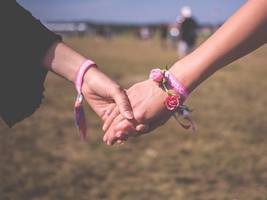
172	102
156	75
177	94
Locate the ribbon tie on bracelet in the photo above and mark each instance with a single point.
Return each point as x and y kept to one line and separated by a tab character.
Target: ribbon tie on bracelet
177	94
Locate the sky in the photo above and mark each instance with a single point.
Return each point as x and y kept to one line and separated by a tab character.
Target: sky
130	11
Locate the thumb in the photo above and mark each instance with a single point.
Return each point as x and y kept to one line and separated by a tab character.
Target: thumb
121	99
142	128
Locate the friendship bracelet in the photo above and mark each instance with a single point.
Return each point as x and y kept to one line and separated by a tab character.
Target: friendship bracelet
78	108
80	74
176	85
177	94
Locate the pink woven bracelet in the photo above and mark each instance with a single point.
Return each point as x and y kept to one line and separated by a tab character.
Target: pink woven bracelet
78	108
159	74
177	94
176	85
80	74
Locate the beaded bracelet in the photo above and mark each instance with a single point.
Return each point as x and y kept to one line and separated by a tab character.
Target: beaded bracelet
177	94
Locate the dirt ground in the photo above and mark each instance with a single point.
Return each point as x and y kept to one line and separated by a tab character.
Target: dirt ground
42	158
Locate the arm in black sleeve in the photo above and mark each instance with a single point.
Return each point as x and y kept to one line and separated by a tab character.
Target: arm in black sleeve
24	42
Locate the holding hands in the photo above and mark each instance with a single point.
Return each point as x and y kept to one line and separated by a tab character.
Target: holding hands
153	102
146	105
112	105
152	105
147	100
244	32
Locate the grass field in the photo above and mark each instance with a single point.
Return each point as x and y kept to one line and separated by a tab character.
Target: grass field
42	158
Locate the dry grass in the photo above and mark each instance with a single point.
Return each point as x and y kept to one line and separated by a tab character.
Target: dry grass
42	158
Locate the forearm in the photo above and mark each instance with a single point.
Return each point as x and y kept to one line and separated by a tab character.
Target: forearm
242	33
63	61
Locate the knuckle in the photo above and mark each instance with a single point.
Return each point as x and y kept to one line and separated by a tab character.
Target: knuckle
139	116
118	89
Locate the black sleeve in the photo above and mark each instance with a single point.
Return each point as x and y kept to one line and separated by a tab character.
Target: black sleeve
23	44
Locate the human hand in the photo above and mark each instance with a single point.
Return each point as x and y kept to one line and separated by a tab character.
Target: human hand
104	94
101	92
148	103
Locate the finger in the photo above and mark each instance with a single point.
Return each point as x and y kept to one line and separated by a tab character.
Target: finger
110	130
126	128
122	101
124	138
123	129
142	128
126	132
108	112
105	138
120	141
110	119
153	125
115	134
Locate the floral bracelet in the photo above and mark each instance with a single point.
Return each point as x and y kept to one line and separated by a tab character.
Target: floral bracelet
177	94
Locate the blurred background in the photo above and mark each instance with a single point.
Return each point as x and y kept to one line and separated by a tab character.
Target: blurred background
42	158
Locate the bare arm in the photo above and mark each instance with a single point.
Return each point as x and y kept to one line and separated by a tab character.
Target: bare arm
244	32
100	91
63	60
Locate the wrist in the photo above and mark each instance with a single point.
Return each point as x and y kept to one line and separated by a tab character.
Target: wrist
90	76
188	73
156	92
176	95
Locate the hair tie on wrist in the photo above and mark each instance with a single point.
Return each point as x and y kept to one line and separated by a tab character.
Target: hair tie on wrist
177	94
78	108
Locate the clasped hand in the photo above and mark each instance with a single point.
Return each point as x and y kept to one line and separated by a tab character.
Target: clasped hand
130	113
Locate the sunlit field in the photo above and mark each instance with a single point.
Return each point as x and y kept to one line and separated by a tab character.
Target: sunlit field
42	158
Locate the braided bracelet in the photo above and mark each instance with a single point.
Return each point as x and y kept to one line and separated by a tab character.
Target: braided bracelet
78	108
177	94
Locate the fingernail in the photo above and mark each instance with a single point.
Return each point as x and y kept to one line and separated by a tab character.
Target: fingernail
104	139
142	128
104	128
118	134
128	114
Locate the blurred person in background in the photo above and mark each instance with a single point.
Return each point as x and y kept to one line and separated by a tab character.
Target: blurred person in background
174	35
188	32
144	33
163	35
29	50
241	34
